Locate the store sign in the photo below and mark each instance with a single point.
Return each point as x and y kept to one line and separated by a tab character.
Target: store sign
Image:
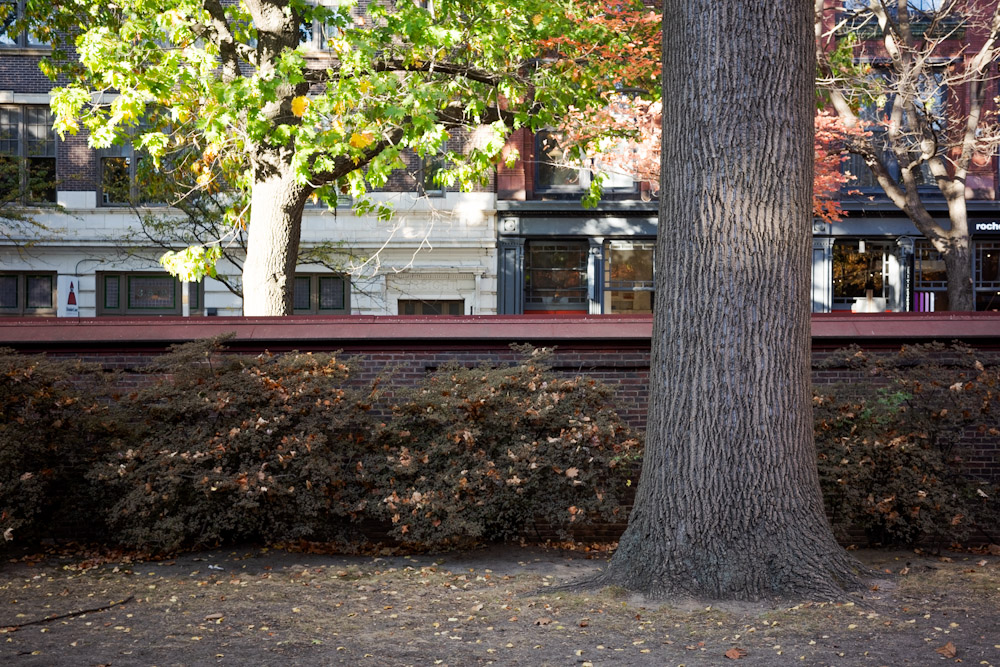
992	227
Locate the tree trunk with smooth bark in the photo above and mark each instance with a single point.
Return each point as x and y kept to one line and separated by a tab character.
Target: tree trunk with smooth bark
728	504
273	243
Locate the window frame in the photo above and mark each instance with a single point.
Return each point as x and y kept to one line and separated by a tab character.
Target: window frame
23	125
315	291
123	309
576	298
584	174
610	287
855	164
418	307
22	39
21	295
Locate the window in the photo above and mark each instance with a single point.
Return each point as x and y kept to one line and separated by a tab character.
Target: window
27	293
555	275
122	169
986	276
431	306
10	12
321	294
930	101
27	154
930	282
325	26
119	176
628	277
921	7
139	293
859	269
553	173
429	167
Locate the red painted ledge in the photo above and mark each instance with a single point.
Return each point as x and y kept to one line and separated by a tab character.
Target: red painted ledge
833	329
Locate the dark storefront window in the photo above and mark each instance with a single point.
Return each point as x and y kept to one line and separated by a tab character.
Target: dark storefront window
27	293
556	276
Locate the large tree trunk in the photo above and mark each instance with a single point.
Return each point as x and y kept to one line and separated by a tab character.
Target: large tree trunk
728	504
958	268
273	244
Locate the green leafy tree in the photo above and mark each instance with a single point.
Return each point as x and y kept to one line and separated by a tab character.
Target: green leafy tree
234	87
193	228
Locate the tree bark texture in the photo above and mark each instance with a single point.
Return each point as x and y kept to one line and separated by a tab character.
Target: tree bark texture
273	244
728	504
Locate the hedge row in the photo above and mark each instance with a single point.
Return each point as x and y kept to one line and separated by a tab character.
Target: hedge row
230	448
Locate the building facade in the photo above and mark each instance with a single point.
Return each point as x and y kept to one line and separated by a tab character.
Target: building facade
74	245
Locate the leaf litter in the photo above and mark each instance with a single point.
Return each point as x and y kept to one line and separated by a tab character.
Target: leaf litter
488	606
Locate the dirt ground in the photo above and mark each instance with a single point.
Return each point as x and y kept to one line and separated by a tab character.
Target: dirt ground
490	606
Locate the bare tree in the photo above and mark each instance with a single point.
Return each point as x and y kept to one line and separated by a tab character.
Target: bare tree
917	77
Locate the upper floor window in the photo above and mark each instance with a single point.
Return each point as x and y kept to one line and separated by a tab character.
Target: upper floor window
918	7
27	154
121	176
926	108
556	171
10	37
430	166
27	293
322	294
319	33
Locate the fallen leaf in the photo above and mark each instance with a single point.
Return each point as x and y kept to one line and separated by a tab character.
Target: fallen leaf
948	650
543	621
736	653
572	472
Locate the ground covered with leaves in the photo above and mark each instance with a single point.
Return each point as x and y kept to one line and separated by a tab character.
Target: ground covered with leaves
496	605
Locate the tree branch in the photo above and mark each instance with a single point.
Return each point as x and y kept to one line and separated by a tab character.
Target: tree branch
48	619
220	33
